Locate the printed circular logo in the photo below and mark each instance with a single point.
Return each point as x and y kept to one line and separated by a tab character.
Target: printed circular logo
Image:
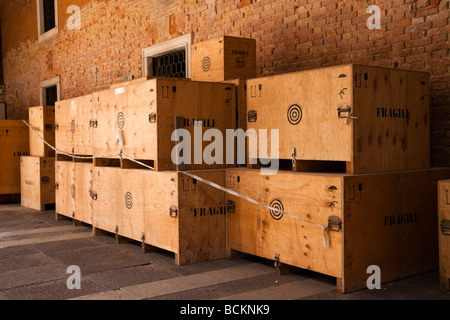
72	126
129	200
120	120
277	204
72	191
294	114
206	64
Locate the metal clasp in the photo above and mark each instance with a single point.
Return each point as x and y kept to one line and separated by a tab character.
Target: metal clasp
334	223
445	227
345	112
252	116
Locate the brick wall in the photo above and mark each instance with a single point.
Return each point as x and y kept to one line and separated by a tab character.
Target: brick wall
291	35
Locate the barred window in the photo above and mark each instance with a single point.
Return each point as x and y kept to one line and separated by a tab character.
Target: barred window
172	64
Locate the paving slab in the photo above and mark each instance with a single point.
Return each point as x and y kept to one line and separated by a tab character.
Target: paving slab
52	290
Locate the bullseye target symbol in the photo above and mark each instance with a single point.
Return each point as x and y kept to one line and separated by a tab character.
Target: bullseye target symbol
295	114
120	120
276	204
206	64
129	200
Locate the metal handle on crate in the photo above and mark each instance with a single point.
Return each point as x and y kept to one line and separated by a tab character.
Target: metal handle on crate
445	227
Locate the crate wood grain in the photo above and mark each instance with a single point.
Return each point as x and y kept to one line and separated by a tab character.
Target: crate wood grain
223	58
166	210
14	143
444	234
73	183
42	120
388	220
140	119
73	125
37	178
371	119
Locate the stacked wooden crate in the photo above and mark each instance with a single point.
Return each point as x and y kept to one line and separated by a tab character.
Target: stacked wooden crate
444	234
357	142
37	171
14	143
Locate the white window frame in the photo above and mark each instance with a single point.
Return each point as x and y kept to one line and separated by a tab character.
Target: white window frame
40	15
182	42
49	83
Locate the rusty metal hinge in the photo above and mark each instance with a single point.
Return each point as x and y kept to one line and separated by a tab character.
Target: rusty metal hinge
231	206
334	223
152	117
252	116
445	227
173	211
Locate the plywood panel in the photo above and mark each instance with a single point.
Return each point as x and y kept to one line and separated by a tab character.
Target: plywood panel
223	58
256	230
303	107
390	221
202	218
37	177
393	129
73	133
64	180
42	120
14	143
444	235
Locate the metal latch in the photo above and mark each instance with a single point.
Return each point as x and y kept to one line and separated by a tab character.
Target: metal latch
152	117
57	186
45	179
445	227
252	116
93	194
57	126
276	261
334	223
345	112
173	211
93	123
231	206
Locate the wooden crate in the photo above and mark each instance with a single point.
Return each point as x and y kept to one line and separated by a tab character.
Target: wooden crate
127	83
444	234
73	190
145	115
370	119
42	120
37	178
73	120
14	143
223	58
387	219
166	210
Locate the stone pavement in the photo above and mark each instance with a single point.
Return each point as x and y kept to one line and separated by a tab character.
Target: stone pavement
36	250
